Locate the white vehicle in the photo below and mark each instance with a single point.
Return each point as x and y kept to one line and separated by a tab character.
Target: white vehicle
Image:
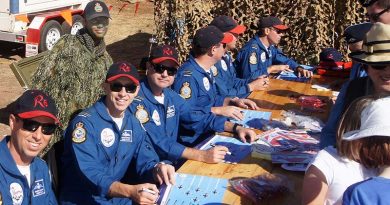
39	23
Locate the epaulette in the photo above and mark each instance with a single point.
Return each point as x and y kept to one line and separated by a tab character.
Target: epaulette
138	98
187	73
84	114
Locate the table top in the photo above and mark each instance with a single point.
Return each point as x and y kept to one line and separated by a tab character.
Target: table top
281	95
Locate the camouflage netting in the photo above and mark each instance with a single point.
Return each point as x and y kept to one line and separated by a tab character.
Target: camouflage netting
314	24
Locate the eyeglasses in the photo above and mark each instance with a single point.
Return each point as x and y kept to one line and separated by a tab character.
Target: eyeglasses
379	67
32	126
278	31
117	87
161	68
375	17
366	3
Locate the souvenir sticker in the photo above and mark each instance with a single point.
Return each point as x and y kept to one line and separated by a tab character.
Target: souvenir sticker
253	58
38	188
156	118
107	137
214	70
171	111
206	83
127	136
263	57
223	65
79	134
185	90
16	192
141	114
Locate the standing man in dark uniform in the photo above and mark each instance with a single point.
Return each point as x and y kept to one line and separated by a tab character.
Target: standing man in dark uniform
261	57
74	69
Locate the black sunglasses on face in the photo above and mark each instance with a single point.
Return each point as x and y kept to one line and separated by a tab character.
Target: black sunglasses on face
32	126
379	67
375	17
161	68
366	3
277	30
117	87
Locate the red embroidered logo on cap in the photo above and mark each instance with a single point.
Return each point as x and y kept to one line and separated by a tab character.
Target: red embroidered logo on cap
124	67
330	56
167	51
41	101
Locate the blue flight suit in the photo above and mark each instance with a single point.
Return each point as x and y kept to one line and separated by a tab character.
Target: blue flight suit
97	153
199	90
226	79
14	188
357	71
254	58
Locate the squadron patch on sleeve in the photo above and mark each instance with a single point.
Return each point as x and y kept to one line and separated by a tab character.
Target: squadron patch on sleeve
253	58
214	70
79	134
141	114
185	90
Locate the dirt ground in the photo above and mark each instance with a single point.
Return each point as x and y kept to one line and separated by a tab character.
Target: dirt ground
126	40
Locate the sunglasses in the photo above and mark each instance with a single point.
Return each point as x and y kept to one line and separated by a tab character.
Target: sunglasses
161	68
277	30
375	17
99	20
32	126
117	87
379	67
366	3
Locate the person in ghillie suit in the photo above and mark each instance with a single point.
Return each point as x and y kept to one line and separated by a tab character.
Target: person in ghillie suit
74	69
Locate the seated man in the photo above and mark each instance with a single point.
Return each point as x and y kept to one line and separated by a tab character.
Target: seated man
260	56
227	82
101	142
25	178
161	111
196	84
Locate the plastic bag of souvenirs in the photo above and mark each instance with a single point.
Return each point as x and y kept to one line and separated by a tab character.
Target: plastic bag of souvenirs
312	103
262	187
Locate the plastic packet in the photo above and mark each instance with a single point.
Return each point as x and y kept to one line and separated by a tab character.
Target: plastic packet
262	187
311	103
302	121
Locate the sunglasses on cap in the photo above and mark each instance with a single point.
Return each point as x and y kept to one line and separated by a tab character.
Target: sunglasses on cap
161	68
375	17
32	126
117	87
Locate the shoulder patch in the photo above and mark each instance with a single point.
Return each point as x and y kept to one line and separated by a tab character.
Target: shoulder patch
215	70
185	90
79	134
141	114
253	58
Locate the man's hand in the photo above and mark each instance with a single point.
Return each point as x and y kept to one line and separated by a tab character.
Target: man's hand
279	68
214	155
304	73
164	173
140	195
260	83
244	103
229	111
246	135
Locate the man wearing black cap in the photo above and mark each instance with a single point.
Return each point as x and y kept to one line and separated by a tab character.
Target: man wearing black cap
25	178
224	72
260	56
377	10
196	84
74	69
100	143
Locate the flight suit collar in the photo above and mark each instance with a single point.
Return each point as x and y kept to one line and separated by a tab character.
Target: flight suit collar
147	91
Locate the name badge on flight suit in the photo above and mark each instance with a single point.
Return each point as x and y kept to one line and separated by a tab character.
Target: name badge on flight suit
16	192
127	136
38	188
171	111
156	118
206	83
223	65
107	137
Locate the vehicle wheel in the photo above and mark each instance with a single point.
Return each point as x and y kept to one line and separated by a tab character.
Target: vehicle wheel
78	23
51	33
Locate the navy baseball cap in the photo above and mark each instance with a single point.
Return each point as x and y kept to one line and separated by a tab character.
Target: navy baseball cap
36	103
209	36
162	53
95	9
272	21
227	24
122	69
330	55
357	32
367	3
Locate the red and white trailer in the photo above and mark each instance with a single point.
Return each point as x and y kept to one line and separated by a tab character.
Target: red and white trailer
39	23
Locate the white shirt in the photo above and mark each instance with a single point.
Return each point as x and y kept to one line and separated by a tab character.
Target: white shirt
160	99
339	172
118	121
25	171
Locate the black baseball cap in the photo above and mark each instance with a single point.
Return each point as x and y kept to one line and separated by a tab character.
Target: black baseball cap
122	69
162	53
367	3
330	55
272	21
227	24
209	36
95	9
36	103
357	32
